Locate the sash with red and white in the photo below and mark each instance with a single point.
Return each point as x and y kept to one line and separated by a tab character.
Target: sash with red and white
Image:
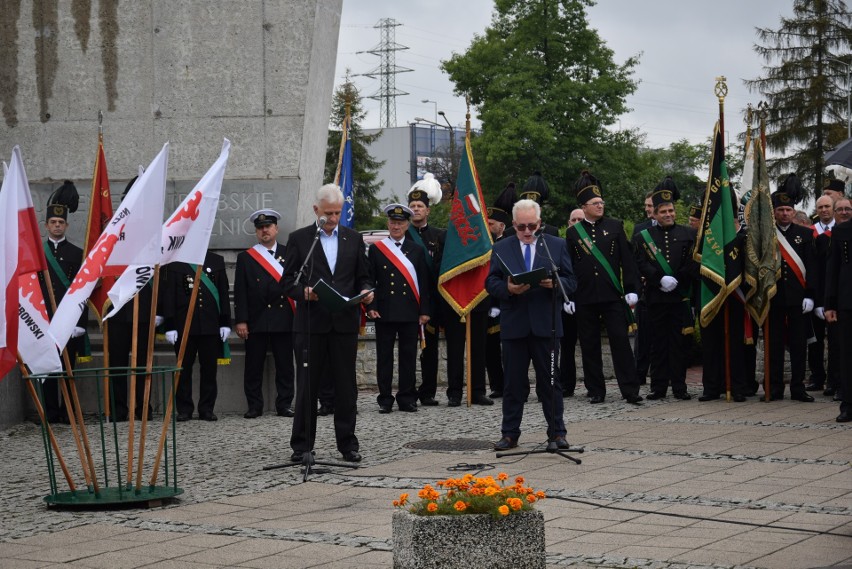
792	258
394	254
275	269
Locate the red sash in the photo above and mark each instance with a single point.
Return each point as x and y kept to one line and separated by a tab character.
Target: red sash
275	270
791	258
400	264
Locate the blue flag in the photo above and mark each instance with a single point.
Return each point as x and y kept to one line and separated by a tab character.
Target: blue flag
347	217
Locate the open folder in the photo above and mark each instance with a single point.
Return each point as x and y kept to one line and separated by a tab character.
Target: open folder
333	300
531	278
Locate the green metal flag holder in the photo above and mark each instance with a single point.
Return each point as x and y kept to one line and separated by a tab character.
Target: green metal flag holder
107	488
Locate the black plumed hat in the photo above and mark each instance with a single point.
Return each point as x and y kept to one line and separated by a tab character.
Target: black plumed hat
535	189
62	201
665	192
501	210
587	187
789	192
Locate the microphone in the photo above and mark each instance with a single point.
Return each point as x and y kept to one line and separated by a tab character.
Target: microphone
321	222
540	230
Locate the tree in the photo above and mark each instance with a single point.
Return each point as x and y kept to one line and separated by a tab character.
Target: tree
545	86
365	169
803	81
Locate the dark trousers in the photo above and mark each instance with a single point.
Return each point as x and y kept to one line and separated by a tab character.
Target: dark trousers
614	318
517	354
642	342
338	352
835	352
816	352
567	348
54	404
787	325
429	363
844	336
281	346
494	356
668	347
120	343
207	350
387	334
713	351
456	338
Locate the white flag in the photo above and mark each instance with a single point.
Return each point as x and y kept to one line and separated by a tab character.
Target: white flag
8	273
34	343
744	190
185	235
132	237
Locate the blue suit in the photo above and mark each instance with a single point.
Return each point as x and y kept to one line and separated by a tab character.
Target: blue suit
525	330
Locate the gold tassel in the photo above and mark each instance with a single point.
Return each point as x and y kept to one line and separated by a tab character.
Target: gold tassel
84	359
223	361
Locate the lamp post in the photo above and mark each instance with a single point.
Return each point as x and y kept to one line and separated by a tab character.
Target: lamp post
848	96
452	150
434	103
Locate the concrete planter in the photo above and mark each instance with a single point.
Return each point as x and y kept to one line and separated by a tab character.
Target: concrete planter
468	541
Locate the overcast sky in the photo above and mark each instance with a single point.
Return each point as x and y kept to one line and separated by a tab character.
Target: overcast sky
684	45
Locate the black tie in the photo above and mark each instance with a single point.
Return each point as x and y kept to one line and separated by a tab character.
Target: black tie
271	252
397	243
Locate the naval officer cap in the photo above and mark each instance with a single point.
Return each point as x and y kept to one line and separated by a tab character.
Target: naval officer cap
397	211
264	217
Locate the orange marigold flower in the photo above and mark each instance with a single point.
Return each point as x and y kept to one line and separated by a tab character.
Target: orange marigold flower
491	490
396	503
502	476
460	506
504	510
540	495
432	507
403	499
530	498
519	480
467	478
476	491
515	503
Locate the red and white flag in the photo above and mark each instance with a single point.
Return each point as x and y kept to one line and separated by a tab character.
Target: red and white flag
8	274
36	347
132	237
186	233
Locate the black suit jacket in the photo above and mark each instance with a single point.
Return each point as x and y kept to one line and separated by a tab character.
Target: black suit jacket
790	290
176	291
259	299
70	258
675	244
351	276
593	283
838	270
394	298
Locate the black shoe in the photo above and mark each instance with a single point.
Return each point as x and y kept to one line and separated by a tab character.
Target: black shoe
707	397
561	442
567	394
352	456
428	401
596	399
633	399
480	399
409	408
737	397
829	391
844	417
684	396
183	417
654	395
495	395
776	396
453	402
813	386
298	456
802	396
506	443
286	412
384	409
252	414
208	417
325	410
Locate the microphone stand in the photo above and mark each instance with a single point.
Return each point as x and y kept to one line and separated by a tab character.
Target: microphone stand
552	446
303	376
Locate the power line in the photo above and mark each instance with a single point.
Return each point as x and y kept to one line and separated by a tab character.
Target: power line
387	71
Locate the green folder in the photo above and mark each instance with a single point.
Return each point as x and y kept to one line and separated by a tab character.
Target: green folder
531	278
333	300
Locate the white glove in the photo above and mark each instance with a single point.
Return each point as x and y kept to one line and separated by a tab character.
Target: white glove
158	320
631	298
569	307
224	332
78	332
493	312
820	312
171	337
807	305
668	284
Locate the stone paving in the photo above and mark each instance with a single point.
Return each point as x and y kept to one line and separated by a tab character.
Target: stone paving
665	485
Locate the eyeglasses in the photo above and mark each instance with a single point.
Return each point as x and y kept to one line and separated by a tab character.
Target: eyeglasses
595	204
843	209
525	226
575	220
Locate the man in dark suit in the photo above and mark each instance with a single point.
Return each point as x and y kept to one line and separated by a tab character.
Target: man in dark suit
664	257
822	226
264	316
794	299
568	344
208	331
607	282
642	338
525	328
838	307
498	217
63	261
400	308
340	260
423	193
